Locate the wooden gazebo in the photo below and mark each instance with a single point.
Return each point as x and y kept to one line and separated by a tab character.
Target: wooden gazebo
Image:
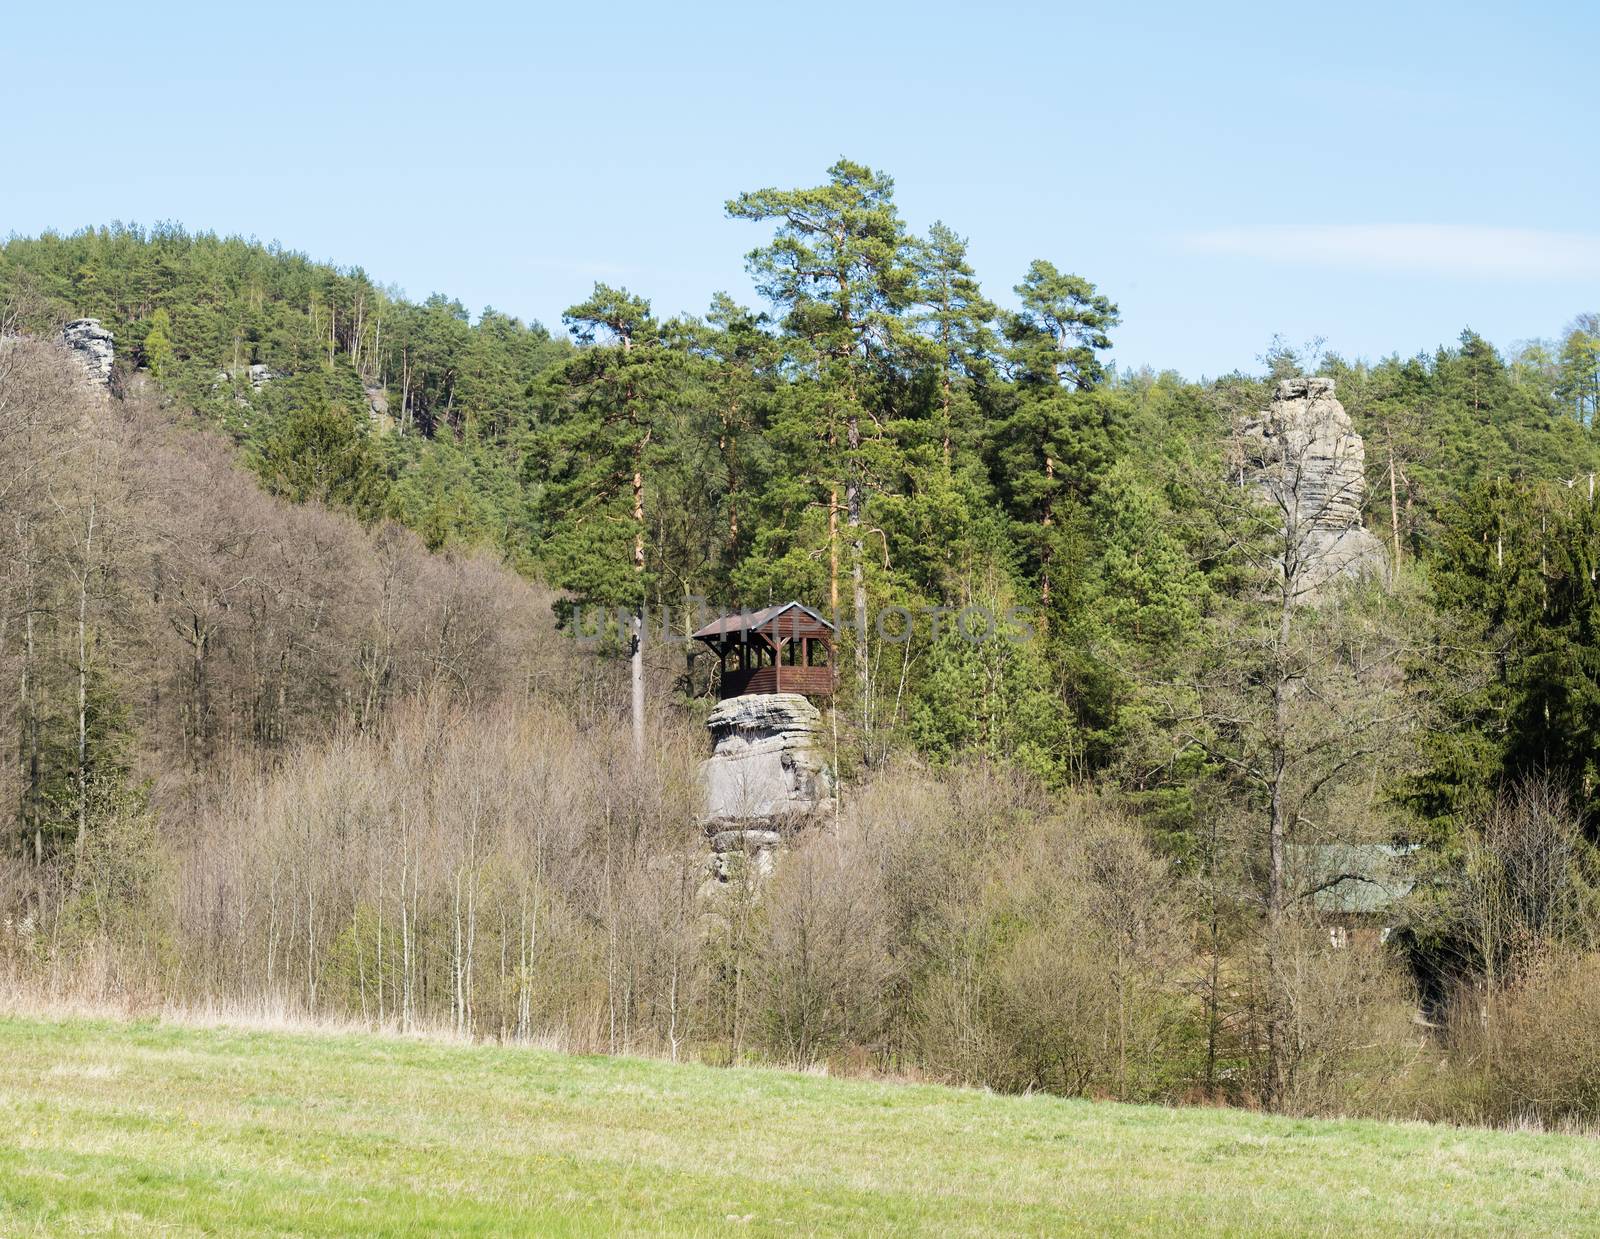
786	648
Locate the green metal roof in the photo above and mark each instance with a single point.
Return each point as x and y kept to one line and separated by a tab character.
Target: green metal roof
1351	879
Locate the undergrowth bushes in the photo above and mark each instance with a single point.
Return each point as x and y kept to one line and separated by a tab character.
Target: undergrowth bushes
509	872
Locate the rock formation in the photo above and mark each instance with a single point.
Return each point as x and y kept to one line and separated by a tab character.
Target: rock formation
765	777
93	346
378	408
1304	457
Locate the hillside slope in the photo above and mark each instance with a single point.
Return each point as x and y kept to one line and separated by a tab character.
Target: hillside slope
178	614
152	1127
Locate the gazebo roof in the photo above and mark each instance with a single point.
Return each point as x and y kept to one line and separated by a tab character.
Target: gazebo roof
762	621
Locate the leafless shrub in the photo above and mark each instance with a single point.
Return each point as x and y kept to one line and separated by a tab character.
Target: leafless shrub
1348	1041
1529	1052
1089	946
822	970
1528	882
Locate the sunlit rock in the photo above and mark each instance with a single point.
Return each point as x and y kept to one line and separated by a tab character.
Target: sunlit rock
765	778
93	346
1305	458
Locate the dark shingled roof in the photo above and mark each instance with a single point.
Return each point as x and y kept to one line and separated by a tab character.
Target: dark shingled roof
750	621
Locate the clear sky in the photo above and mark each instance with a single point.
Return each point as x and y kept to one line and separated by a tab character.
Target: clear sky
1381	175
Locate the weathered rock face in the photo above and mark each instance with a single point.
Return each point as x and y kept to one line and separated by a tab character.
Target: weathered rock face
378	409
765	777
93	346
1304	456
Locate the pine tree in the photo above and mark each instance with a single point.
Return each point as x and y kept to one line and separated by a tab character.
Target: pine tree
612	397
737	372
1061	435
841	268
958	318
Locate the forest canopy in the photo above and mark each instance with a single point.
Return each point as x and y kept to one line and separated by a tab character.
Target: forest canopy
877	434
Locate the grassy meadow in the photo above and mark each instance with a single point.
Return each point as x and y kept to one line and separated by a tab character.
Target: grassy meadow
150	1127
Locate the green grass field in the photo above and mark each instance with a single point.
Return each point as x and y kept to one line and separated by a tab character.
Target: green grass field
146	1128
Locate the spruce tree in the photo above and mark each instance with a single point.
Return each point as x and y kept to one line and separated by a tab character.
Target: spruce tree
319	450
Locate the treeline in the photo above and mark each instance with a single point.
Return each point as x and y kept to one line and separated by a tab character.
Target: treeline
880	434
197	312
370	779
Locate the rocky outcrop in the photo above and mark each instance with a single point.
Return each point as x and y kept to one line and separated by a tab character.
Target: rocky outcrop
93	346
260	376
765	777
1305	458
378	408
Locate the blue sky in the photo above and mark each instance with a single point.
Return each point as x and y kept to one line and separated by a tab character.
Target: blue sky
1381	175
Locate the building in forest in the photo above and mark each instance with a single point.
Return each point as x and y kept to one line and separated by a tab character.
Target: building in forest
786	648
766	778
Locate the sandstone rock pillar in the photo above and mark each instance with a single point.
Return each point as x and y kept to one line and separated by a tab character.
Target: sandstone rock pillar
1304	458
765	779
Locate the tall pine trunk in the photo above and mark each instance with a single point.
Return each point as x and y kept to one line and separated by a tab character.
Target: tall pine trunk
1394	510
636	622
1046	522
728	446
858	581
833	526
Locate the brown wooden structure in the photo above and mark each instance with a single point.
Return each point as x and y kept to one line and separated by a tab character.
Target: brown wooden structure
786	648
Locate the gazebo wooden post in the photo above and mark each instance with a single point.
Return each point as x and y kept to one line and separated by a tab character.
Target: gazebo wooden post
769	638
